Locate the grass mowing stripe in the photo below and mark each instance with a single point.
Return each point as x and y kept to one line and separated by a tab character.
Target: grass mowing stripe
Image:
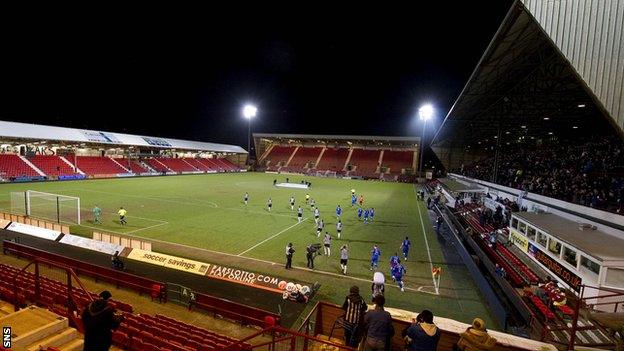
435	284
271	237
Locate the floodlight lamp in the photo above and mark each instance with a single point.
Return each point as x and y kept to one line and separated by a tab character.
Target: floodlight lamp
249	111
425	112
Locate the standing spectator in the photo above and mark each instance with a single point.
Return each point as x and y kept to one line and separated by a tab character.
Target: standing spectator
379	286
99	320
378	326
310	252
354	307
475	338
500	271
438	225
289	255
429	202
422	335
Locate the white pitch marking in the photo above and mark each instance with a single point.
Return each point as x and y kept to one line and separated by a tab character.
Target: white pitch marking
271	237
435	284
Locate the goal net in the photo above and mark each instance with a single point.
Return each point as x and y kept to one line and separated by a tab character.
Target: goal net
54	207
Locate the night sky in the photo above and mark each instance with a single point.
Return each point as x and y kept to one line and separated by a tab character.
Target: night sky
186	72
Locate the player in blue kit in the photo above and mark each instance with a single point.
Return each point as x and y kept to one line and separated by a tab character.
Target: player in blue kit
359	212
372	214
338	212
366	214
375	254
405	247
394	260
397	273
353	200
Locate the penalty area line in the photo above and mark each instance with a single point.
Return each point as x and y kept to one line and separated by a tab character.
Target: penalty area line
272	236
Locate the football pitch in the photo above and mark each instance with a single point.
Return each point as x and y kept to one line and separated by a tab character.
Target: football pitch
207	211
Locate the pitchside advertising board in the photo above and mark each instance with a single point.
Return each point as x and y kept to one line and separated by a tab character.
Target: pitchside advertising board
234	275
560	271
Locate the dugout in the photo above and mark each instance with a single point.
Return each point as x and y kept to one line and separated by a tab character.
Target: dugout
454	190
574	253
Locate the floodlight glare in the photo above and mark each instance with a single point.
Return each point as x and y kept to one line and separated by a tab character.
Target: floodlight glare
425	112
249	111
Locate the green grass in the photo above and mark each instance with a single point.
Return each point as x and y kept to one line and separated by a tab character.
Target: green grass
207	211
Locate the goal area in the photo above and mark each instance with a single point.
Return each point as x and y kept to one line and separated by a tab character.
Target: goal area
48	206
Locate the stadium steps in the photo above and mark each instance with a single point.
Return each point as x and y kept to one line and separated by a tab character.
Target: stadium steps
32	324
71	165
344	168
57	339
291	156
320	157
27	161
120	165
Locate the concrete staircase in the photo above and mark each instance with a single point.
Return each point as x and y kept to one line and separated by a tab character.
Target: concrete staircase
31	165
34	328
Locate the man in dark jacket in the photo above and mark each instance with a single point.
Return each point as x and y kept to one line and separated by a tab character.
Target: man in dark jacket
378	327
354	307
422	335
99	320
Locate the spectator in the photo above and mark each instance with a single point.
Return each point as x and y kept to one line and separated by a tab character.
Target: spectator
116	262
422	335
99	320
289	254
354	307
378	327
475	338
500	271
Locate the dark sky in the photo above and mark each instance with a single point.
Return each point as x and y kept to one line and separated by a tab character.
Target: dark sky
186	72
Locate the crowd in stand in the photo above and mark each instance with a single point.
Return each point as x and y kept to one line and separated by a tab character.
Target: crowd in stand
588	173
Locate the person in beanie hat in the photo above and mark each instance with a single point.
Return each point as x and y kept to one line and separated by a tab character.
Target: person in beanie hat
354	307
475	338
99	320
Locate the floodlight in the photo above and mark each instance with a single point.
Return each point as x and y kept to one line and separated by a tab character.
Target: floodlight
249	111
425	112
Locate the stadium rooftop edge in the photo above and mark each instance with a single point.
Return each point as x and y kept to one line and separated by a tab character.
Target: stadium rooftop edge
35	132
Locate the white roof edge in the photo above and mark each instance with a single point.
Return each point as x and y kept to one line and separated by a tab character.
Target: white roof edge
43	132
338	137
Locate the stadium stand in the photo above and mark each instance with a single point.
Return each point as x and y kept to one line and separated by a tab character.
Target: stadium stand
51	165
333	159
197	164
366	162
157	165
303	158
97	165
135	167
13	166
176	164
278	156
589	173
396	161
225	164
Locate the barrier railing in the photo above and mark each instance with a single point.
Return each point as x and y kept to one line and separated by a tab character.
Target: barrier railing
68	299
34	222
125	241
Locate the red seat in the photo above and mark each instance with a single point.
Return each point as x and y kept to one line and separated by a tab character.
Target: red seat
121	339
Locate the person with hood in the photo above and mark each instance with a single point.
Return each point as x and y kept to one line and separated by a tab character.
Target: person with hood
422	335
475	338
354	307
99	320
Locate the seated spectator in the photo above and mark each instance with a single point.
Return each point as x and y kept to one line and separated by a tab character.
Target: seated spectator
475	338
422	335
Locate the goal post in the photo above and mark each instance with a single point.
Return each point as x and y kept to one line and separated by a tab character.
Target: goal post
54	207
